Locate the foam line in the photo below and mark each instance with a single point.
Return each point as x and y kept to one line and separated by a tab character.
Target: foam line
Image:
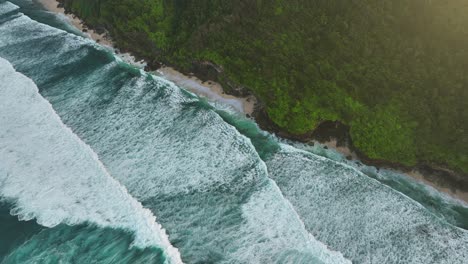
358	215
53	177
7	9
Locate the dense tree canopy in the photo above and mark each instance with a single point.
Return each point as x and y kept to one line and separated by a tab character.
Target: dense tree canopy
395	71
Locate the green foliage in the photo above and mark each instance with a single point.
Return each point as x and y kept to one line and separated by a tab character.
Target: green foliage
395	71
382	134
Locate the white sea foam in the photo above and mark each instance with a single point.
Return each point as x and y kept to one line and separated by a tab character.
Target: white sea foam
7	7
365	220
159	143
182	151
199	173
35	33
267	207
130	59
195	86
53	177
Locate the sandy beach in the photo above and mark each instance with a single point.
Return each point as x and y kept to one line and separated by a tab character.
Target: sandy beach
52	6
213	91
414	174
210	90
463	196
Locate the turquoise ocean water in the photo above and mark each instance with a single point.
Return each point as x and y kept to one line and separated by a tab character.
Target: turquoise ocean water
101	162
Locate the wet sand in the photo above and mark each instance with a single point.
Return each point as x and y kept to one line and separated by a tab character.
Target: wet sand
52	6
211	90
214	92
415	174
463	196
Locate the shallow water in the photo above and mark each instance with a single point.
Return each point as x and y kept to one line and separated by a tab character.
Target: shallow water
122	152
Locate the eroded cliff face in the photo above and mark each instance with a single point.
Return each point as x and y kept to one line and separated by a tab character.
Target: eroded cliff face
394	72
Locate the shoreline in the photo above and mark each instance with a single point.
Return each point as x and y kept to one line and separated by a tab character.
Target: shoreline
209	89
418	176
414	173
213	91
54	7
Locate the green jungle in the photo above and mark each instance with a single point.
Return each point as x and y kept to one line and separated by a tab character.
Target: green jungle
395	72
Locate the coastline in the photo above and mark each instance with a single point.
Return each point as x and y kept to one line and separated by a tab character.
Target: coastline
460	195
414	173
213	91
208	89
54	6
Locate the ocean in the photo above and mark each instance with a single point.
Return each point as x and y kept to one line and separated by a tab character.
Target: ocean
101	162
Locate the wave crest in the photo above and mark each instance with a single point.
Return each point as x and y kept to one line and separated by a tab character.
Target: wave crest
53	177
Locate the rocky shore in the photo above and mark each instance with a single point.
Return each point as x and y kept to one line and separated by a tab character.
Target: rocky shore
337	136
332	134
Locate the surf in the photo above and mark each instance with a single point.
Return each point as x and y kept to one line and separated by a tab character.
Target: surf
51	176
325	192
225	191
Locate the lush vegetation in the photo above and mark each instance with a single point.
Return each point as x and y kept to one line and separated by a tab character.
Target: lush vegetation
395	71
